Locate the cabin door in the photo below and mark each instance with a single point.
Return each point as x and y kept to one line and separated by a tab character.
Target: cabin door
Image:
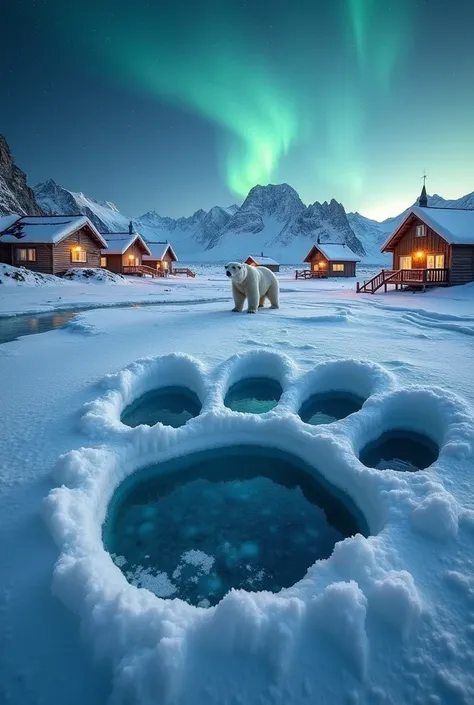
405	263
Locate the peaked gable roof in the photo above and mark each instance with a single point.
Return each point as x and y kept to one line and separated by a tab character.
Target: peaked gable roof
47	229
119	243
454	225
333	253
158	251
259	259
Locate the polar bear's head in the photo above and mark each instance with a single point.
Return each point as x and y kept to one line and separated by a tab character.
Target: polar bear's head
236	271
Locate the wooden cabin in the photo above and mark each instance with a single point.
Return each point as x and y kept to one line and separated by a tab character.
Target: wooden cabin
51	244
124	253
262	261
431	247
161	257
329	260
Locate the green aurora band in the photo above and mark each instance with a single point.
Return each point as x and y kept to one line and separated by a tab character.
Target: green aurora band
210	59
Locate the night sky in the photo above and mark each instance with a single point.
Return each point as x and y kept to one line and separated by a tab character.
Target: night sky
175	105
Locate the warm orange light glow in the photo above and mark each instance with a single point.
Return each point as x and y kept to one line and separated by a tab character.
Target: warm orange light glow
419	254
131	258
77	249
322	265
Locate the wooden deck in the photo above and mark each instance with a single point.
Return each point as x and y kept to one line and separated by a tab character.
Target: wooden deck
142	269
184	270
405	278
310	274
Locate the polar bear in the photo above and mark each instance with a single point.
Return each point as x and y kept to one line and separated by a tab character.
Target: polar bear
253	284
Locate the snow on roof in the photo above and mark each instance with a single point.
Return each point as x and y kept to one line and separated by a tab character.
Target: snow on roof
7	220
455	225
118	243
158	251
259	259
337	253
50	229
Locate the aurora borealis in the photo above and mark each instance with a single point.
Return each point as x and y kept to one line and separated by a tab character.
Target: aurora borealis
180	105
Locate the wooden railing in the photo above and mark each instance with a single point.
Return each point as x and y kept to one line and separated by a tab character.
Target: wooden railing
404	277
311	274
142	269
184	270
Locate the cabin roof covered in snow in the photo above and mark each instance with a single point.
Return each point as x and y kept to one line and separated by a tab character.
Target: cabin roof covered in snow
454	225
7	220
118	243
334	253
158	251
259	259
49	229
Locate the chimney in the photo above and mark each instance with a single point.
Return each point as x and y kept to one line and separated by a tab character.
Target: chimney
318	240
130	228
261	254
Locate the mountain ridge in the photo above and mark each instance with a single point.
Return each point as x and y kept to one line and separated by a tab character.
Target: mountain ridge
272	218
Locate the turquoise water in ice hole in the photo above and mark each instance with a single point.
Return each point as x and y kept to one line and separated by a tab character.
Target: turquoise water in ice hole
172	406
405	451
254	395
237	517
328	407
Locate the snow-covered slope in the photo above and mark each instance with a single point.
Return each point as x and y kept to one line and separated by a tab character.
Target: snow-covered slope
55	200
15	194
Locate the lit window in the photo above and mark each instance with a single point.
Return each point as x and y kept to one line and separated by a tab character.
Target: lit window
337	267
420	230
27	254
103	261
439	262
78	254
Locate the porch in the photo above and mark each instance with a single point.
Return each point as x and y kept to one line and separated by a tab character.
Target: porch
405	278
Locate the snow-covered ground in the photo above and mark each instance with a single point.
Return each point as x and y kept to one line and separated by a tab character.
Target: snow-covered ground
89	292
387	619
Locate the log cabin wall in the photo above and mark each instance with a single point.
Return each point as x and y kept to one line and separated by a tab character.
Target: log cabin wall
113	263
134	251
316	259
44	256
168	258
429	244
62	252
349	269
462	264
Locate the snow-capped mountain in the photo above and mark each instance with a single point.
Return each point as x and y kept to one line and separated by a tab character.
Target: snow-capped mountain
15	194
56	200
274	219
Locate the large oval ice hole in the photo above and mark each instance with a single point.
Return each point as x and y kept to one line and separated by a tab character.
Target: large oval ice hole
172	406
254	395
327	407
406	451
237	517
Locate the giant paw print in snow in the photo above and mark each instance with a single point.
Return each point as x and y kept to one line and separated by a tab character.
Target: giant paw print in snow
194	495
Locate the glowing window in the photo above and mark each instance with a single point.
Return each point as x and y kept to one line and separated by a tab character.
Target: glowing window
337	267
103	261
78	254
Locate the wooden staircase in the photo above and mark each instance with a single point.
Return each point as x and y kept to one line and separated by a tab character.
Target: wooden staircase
408	278
184	270
142	269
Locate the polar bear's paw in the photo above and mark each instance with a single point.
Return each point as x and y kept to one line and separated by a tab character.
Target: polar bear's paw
274	307
236	310
252	310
